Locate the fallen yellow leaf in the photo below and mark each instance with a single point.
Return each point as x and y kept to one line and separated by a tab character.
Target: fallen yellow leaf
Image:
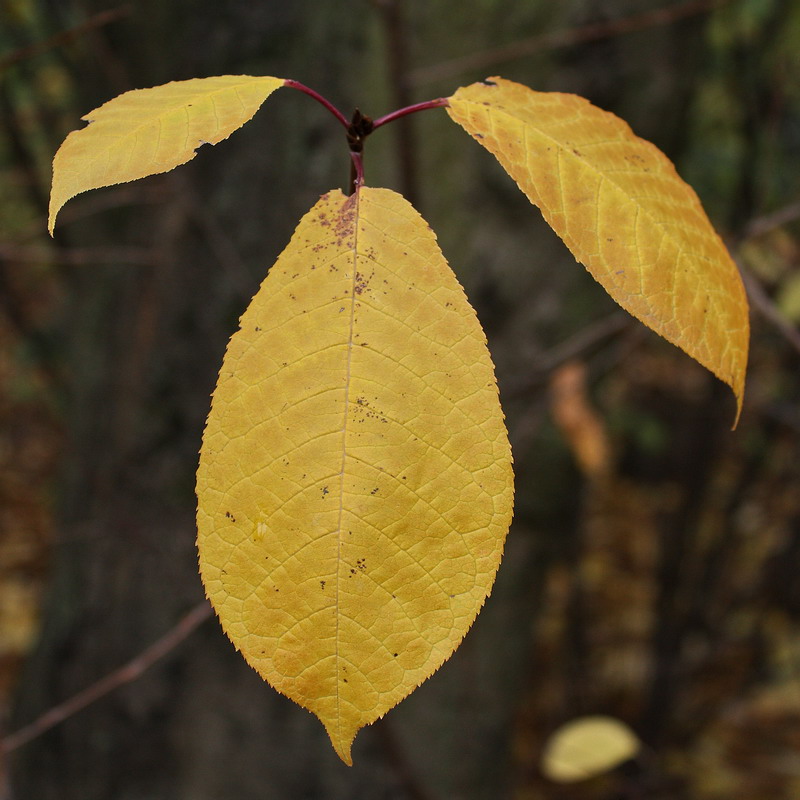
355	483
624	213
588	746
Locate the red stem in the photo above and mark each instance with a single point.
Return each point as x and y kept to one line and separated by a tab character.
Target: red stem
439	102
320	99
356	134
357	174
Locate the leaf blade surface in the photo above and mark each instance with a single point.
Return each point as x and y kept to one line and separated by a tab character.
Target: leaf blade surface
618	204
355	483
147	131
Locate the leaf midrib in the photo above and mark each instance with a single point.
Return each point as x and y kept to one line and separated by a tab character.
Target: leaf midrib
351	327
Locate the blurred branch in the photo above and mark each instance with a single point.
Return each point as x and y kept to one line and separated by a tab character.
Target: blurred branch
76	256
756	293
577	346
223	248
63	37
153	191
584	340
568	38
580	345
761	225
125	674
763	303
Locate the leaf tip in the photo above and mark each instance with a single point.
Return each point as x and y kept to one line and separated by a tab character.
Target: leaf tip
345	756
51	217
342	744
739	395
735	376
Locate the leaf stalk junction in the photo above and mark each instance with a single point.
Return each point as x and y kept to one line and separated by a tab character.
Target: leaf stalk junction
360	126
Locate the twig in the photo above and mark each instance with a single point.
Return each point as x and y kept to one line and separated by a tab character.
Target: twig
153	192
762	302
583	341
768	222
567	38
63	37
576	346
76	256
125	674
221	247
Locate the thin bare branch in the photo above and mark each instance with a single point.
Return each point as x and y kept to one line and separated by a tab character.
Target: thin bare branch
762	302
76	256
63	37
777	219
579	345
125	674
568	38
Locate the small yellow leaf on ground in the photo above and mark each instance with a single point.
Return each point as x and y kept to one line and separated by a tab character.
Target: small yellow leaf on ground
355	483
586	747
147	131
622	210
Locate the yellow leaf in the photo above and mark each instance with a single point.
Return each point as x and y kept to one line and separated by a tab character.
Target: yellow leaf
147	131
586	747
355	483
622	210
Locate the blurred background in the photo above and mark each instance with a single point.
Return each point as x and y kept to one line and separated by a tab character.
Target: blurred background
651	573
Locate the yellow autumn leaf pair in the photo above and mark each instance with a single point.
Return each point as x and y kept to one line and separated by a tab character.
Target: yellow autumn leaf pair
355	483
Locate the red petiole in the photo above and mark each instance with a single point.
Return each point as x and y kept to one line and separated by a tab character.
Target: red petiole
320	99
439	102
360	126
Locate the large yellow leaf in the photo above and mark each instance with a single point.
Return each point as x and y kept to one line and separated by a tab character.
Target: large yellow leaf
147	131
355	483
622	210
